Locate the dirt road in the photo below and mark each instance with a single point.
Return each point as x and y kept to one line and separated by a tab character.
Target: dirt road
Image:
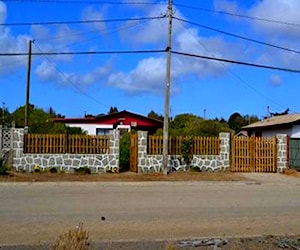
32	213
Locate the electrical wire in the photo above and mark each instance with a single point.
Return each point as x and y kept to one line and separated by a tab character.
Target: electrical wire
85	53
238	36
62	74
88	2
236	62
83	21
236	75
237	15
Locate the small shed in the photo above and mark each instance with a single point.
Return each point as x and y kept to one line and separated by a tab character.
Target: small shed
125	121
288	124
282	124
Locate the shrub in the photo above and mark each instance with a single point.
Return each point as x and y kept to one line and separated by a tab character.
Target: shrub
3	168
195	169
75	239
83	170
53	170
124	152
37	169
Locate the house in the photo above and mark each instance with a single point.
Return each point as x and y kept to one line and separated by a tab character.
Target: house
124	121
280	124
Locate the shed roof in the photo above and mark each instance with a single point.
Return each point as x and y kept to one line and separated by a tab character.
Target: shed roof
274	121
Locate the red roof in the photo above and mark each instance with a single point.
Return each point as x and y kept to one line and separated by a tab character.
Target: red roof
124	118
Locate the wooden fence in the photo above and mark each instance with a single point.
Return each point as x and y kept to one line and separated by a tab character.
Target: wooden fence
254	154
62	144
198	146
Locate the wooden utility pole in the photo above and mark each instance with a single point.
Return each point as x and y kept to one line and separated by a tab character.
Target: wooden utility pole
167	90
28	87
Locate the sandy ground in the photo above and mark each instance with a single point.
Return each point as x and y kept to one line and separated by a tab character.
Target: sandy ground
160	212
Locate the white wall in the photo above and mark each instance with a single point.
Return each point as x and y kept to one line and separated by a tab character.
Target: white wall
90	128
293	132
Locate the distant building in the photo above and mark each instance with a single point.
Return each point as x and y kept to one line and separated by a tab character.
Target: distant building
124	121
280	124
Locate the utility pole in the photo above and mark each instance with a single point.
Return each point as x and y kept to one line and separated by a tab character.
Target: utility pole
28	86
167	90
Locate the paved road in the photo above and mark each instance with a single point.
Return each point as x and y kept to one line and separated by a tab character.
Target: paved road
38	212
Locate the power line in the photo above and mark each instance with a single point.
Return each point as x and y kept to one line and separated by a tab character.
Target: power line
85	53
236	62
237	15
238	36
83	21
68	79
88	2
236	75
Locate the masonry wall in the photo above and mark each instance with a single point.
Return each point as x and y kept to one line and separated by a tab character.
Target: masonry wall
65	162
282	152
153	163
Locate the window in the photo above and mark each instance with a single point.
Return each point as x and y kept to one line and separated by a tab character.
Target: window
102	131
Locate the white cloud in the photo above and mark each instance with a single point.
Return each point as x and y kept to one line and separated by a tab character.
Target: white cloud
3	12
147	77
92	13
227	6
281	11
49	72
275	80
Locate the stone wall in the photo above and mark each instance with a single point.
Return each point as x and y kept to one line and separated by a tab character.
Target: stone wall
153	163
282	152
65	162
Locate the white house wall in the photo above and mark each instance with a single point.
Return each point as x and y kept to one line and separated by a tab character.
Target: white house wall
293	132
90	128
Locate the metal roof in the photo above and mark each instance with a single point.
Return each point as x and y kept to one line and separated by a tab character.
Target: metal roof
275	121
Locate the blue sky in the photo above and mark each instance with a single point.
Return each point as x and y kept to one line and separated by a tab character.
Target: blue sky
77	84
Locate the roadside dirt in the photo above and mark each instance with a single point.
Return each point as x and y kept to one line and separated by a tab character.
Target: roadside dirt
126	176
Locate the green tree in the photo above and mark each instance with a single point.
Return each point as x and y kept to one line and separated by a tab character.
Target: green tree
155	116
113	110
41	122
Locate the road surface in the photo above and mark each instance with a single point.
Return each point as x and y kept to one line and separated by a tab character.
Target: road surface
36	213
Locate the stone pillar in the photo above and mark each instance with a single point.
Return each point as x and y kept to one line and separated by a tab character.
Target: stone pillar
17	147
225	149
114	148
282	157
142	150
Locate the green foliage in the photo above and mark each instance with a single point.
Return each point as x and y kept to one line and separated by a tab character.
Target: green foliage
187	149
37	169
41	122
236	121
155	116
83	170
53	170
113	110
124	152
191	125
3	168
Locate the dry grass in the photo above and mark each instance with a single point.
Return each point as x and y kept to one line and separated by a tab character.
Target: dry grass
291	172
127	176
75	239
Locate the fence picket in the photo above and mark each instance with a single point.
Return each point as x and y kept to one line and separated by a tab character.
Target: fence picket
74	144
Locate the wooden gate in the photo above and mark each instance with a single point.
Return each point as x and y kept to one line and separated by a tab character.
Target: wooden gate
294	153
254	154
133	159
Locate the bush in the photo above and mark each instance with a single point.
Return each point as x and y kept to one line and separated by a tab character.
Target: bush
83	170
125	152
53	170
3	168
75	239
37	169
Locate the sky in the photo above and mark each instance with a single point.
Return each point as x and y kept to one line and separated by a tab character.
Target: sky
74	85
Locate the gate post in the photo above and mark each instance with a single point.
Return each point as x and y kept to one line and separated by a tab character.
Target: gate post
282	151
